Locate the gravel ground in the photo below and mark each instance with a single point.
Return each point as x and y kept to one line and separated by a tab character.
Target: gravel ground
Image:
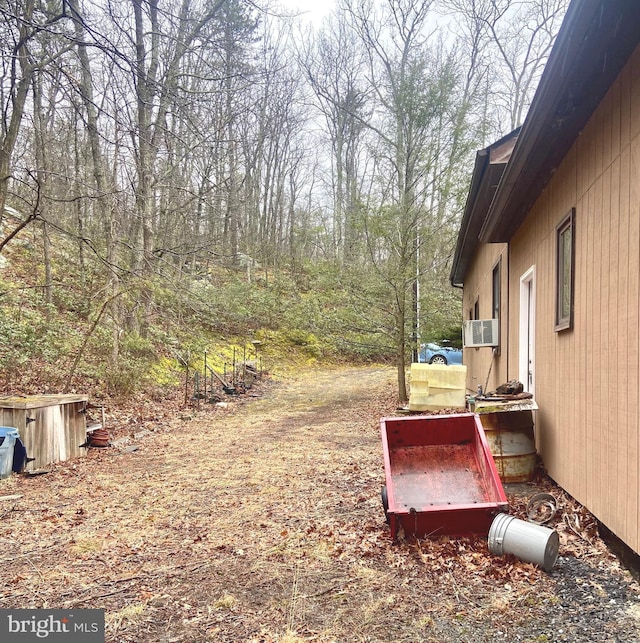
587	596
595	603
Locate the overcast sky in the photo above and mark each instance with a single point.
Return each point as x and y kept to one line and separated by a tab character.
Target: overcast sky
314	10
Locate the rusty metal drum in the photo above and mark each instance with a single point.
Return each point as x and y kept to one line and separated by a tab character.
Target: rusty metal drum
512	443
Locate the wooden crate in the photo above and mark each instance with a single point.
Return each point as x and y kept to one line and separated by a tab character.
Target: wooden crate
52	427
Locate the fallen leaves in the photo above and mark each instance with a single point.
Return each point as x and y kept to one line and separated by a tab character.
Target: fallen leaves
260	522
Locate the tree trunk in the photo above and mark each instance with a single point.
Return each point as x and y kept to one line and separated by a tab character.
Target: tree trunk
19	92
104	211
400	356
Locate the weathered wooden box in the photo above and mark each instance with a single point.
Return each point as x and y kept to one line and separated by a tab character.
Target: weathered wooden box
52	427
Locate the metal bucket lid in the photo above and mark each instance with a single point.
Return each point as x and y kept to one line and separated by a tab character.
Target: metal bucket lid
497	532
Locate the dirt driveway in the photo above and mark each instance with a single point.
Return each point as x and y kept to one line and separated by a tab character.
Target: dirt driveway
263	522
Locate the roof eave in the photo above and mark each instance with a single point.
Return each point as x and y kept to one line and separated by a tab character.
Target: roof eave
488	169
466	243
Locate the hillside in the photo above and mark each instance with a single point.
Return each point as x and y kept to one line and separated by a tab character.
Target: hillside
151	334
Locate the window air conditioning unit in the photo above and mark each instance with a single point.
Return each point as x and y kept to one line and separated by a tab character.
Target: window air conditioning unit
481	332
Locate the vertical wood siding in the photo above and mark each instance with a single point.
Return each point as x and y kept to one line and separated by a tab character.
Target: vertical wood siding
479	286
588	378
56	432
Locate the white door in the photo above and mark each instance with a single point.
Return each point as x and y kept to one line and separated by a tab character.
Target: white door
527	333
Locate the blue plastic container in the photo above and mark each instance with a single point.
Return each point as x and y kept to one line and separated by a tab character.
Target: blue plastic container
8	436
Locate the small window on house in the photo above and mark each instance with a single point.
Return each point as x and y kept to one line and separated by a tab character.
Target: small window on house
495	280
495	298
565	251
476	309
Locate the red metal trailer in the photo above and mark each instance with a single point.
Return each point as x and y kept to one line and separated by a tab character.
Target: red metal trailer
440	476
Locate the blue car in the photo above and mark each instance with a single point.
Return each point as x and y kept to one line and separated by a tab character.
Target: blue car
436	354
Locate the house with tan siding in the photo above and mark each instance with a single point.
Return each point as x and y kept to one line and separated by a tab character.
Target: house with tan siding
550	245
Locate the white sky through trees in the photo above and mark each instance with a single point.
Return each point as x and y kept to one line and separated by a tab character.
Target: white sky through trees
313	10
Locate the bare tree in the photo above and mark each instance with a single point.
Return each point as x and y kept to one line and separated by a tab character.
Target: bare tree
335	66
22	23
17	72
517	37
410	99
103	196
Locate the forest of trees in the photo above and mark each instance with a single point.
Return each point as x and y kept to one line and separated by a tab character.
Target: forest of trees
171	157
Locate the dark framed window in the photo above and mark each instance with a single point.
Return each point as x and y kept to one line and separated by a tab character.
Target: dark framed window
565	269
495	287
495	295
476	309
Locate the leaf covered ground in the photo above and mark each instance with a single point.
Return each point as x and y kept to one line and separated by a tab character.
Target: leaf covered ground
261	521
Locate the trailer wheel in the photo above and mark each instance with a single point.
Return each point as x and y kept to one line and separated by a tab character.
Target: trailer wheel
385	502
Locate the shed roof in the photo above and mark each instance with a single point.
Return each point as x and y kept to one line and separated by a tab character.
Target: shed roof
39	401
596	39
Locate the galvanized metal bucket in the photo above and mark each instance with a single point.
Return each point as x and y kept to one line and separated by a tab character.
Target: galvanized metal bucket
8	437
529	542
